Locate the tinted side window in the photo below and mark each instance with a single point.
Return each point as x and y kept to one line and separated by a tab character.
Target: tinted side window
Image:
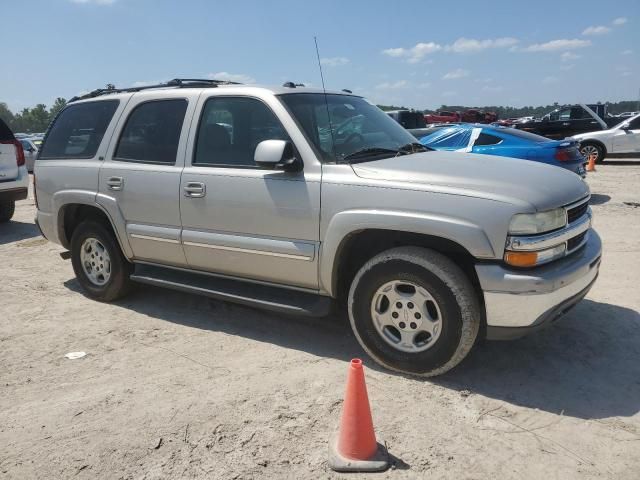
78	130
152	132
635	124
486	139
230	130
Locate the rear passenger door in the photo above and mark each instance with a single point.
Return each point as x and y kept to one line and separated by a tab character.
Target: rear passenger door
242	220
141	173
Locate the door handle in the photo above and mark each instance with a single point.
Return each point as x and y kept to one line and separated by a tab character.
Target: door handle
195	190
115	183
566	124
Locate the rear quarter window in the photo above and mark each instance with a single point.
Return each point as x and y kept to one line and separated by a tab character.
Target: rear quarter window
78	130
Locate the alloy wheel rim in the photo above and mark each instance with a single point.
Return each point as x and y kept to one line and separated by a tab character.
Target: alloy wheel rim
96	262
406	316
589	150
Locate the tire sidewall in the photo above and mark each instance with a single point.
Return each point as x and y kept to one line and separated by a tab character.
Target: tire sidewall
360	301
120	268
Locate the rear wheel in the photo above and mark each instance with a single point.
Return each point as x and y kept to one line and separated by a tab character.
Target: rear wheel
588	149
413	310
7	210
100	267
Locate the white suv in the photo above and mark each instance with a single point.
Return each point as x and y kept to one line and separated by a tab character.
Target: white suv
14	178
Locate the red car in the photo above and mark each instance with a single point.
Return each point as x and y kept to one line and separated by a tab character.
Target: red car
478	116
442	117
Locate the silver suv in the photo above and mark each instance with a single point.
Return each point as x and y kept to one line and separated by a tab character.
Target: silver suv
294	200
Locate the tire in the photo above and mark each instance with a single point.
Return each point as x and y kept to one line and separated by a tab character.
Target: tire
587	148
6	211
457	311
115	281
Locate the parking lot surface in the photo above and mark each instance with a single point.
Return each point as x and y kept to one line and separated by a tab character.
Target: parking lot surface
180	386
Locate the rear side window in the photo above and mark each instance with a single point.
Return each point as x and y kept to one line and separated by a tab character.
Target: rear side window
486	139
152	132
78	130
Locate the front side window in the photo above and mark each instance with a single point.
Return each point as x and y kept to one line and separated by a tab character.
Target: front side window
152	132
448	138
340	125
230	130
635	124
78	130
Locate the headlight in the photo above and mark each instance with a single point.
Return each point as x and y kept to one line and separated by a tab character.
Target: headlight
532	223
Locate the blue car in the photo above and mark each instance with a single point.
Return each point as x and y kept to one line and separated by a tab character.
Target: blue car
507	142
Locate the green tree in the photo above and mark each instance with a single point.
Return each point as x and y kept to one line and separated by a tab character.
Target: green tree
58	105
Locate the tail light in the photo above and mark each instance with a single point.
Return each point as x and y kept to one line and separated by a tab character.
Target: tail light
19	151
563	155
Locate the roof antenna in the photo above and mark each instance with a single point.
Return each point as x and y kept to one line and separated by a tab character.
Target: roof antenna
326	102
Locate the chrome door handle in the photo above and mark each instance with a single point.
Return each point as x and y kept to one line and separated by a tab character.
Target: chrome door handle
566	124
115	183
195	190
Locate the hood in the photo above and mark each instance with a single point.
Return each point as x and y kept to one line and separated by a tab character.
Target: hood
502	179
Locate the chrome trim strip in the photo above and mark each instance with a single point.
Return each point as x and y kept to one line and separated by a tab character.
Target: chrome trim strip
155	239
248	250
540	242
578	203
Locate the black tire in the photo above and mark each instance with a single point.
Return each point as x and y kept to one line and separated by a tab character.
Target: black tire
119	283
7	210
587	147
447	284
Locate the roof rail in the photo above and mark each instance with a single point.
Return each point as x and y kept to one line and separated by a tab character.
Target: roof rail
176	82
292	85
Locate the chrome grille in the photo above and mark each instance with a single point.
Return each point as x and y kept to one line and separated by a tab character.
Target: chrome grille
577	211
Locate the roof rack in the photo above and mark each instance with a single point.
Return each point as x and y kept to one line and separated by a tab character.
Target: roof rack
176	82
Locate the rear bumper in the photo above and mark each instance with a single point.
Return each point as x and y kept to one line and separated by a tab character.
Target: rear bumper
13	194
518	302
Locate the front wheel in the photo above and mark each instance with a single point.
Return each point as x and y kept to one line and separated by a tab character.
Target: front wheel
100	267
413	310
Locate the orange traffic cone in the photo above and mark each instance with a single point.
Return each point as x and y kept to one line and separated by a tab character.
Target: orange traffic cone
355	448
591	166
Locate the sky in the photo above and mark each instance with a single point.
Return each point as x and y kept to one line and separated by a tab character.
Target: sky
414	53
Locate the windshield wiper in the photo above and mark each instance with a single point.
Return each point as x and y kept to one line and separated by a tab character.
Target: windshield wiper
414	147
369	152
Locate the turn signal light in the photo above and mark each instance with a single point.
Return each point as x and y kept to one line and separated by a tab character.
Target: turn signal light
521	259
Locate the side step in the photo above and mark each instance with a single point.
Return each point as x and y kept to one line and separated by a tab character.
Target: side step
255	295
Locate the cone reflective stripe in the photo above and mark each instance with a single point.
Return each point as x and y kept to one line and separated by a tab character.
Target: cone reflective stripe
356	449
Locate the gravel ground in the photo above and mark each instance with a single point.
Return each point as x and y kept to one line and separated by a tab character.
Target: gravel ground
179	386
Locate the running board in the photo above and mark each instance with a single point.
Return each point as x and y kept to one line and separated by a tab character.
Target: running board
254	295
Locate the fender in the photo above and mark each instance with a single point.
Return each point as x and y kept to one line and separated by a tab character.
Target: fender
468	235
90	198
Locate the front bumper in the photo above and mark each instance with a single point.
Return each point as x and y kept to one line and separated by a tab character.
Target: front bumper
520	301
13	194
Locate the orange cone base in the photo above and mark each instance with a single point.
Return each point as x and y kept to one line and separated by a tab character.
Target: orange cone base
379	462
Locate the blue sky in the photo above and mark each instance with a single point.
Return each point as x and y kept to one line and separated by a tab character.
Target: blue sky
416	53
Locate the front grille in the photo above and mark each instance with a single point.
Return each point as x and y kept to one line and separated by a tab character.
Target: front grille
575	242
576	212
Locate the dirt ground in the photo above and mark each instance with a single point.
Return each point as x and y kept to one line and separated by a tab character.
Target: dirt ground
179	386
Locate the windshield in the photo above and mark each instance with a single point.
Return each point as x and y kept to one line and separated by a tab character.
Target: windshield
356	126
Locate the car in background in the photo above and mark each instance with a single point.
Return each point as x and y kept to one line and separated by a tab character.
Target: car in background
628	114
31	147
569	120
14	179
623	138
507	142
442	117
408	118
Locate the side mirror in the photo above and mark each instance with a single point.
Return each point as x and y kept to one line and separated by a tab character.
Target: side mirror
277	155
626	127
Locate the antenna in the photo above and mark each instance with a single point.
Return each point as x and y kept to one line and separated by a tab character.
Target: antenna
326	102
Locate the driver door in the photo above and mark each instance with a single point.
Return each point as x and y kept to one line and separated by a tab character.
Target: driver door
239	219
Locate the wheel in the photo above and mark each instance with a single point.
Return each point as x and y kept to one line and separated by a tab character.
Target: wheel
6	211
588	148
414	311
100	267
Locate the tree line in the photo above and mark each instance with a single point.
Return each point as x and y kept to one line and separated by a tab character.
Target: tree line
614	108
31	120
